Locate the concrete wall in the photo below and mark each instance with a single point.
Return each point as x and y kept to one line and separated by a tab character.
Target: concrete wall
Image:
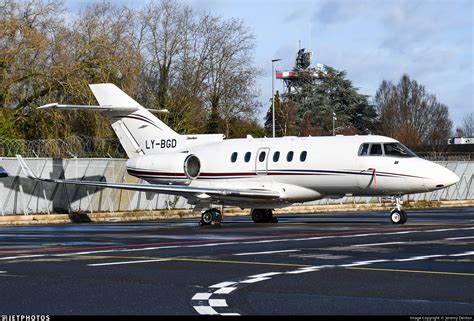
19	195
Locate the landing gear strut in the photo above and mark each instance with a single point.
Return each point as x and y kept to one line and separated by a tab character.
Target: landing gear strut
260	215
398	215
211	217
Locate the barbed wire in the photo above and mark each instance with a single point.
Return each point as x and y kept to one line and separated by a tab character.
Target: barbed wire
72	146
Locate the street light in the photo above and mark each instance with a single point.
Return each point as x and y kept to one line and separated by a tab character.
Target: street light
273	95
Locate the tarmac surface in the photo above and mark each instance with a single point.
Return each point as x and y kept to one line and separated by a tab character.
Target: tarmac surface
339	263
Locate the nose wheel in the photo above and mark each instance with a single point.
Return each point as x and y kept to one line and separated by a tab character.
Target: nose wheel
397	215
211	217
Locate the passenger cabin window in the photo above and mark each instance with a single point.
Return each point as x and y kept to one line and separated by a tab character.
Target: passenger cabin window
376	150
289	157
233	158
262	156
397	150
247	156
364	150
276	156
303	156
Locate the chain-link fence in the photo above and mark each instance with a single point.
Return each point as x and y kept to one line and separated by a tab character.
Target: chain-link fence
69	147
447	156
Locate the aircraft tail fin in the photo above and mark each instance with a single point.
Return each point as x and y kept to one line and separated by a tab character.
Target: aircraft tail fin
139	131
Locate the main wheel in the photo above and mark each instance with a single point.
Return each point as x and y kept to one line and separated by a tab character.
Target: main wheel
216	216
258	215
268	216
207	217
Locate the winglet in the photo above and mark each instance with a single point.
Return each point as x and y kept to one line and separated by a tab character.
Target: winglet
26	170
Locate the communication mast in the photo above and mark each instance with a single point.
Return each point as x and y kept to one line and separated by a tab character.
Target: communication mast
291	78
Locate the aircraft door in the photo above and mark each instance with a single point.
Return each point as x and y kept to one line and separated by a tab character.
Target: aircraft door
369	155
261	161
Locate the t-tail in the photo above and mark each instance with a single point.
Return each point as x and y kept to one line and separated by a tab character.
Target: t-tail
139	131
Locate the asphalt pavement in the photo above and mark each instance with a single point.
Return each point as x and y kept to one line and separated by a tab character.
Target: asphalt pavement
317	264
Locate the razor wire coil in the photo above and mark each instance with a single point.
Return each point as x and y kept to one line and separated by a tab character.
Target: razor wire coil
69	147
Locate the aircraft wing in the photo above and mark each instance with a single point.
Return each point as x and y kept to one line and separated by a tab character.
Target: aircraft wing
186	191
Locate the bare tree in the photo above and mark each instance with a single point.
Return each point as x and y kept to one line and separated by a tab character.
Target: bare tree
407	112
229	88
467	127
166	56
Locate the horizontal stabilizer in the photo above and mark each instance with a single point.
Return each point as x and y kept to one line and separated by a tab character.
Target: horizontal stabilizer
88	107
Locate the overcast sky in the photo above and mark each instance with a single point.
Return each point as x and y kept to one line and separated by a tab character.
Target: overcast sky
430	40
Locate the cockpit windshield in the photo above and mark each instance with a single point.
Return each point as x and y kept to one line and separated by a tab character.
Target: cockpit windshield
389	149
397	150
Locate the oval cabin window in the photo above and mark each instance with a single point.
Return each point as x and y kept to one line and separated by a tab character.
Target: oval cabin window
289	157
303	156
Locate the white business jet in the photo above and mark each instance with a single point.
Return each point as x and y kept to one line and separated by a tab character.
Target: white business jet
257	173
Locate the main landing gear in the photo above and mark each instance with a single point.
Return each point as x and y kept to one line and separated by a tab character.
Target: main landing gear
397	215
211	216
260	215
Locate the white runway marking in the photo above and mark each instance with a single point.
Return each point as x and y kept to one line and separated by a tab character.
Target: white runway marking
222	285
254	280
202	296
377	244
230	314
363	263
225	243
206	310
417	258
463	254
459	238
265	275
225	290
218	303
128	262
22	257
267	252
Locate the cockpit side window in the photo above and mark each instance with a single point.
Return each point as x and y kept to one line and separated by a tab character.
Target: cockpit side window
397	150
375	150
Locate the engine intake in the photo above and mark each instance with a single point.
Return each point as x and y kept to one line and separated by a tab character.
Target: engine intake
192	166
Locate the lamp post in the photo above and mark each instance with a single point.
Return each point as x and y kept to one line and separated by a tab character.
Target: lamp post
273	95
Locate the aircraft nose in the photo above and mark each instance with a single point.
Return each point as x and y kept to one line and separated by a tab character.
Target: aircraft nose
443	178
449	178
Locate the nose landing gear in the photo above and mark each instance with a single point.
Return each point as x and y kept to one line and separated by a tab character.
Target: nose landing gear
398	215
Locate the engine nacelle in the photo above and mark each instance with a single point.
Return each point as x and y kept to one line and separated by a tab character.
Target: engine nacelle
175	168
